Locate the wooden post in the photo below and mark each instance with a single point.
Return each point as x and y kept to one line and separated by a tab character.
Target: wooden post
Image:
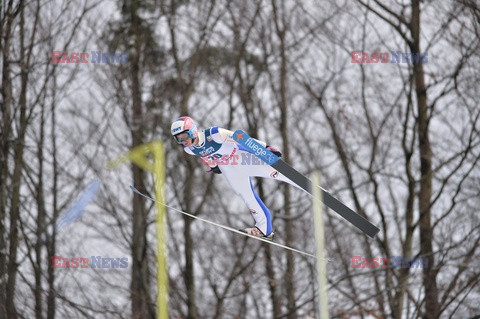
320	245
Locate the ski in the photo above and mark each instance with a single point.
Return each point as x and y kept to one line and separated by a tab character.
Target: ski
268	241
305	183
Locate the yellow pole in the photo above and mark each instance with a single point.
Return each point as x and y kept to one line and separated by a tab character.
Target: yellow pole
139	156
320	245
162	251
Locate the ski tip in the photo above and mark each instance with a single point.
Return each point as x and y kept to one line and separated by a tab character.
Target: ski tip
374	233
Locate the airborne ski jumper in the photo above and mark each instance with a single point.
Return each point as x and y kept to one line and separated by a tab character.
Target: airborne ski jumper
225	156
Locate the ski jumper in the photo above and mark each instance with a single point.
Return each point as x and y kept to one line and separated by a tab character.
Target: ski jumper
217	147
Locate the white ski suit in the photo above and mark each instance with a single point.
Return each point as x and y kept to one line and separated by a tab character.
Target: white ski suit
217	147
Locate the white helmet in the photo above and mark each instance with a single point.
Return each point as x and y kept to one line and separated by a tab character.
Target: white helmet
184	124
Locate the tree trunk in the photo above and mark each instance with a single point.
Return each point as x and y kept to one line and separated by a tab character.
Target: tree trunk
12	267
186	92
289	278
41	215
425	193
189	273
270	271
397	307
142	306
6	92
51	248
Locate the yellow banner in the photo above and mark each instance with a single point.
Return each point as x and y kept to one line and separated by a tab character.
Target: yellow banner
142	157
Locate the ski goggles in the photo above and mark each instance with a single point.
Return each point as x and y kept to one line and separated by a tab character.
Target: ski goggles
179	138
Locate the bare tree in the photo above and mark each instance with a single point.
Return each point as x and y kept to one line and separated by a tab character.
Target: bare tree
398	142
367	157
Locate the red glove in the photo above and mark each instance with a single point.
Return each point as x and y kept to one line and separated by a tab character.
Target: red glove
215	170
274	150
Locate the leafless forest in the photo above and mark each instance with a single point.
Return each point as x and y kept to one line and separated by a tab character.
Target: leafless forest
397	142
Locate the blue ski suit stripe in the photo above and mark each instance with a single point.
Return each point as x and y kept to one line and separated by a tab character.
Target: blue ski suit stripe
267	213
